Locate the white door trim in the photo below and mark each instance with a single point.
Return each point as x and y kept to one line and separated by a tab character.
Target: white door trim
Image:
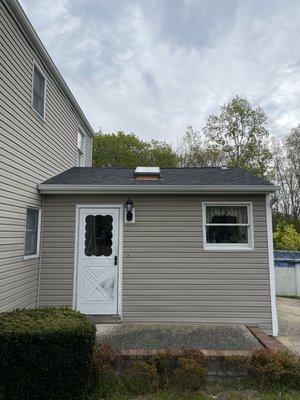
120	252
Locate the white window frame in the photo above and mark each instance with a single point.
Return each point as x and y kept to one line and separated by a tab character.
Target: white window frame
37	255
35	65
229	246
80	132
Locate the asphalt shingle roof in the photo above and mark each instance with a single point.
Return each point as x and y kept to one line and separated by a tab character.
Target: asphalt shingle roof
169	176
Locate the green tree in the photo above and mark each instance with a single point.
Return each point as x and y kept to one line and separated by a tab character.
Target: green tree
128	151
286	237
278	217
286	170
196	152
162	155
239	133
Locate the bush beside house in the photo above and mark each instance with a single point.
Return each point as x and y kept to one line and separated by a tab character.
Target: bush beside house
186	372
50	354
274	369
46	353
286	237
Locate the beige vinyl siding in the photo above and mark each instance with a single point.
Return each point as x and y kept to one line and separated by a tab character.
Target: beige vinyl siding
166	274
31	150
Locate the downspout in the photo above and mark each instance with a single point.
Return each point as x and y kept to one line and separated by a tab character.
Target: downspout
41	253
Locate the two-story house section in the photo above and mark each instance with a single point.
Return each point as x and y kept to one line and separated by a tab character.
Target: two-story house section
42	133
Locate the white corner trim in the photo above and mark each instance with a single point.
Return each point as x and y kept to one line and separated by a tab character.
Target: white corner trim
229	246
271	266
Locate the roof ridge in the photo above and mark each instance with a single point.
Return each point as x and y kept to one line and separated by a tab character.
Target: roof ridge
133	168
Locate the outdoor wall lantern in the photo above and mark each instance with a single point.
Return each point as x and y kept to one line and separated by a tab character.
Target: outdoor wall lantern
129	211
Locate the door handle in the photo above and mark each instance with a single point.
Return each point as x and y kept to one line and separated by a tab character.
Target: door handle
116	260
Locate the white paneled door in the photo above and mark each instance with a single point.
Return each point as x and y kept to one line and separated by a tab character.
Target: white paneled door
98	260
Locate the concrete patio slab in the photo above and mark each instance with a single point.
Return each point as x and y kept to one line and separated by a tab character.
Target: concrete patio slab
177	336
288	311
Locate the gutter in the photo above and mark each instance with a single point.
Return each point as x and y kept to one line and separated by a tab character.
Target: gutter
38	46
192	189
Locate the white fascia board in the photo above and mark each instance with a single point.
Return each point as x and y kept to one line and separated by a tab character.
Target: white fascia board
193	189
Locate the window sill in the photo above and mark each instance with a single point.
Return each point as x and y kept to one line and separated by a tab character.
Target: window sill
36	114
209	247
31	257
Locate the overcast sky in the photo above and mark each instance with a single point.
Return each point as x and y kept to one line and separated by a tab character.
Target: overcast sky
152	67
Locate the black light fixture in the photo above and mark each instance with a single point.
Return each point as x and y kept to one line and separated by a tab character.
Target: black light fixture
129	210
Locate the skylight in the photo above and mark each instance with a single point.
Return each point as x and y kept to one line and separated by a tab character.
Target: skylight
147	173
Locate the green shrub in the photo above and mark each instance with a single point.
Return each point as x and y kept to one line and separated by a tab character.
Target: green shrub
165	364
46	353
104	357
285	237
272	368
184	371
141	378
105	377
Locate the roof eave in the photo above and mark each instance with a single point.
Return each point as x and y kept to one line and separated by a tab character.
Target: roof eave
33	38
192	189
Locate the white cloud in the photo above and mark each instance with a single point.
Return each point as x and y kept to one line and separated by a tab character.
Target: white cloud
155	67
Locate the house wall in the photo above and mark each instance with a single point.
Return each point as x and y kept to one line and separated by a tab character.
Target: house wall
166	274
31	150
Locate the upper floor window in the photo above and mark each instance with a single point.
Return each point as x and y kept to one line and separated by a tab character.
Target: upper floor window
38	91
80	149
32	236
227	226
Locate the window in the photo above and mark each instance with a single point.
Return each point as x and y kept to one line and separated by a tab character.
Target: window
80	149
38	91
227	226
32	232
98	235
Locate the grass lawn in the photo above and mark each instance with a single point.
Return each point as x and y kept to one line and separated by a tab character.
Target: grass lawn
211	391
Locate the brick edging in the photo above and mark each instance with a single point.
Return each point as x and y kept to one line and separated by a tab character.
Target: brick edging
156	352
269	342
